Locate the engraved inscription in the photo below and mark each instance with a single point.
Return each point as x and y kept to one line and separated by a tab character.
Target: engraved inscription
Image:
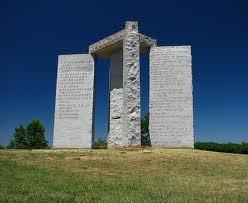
171	106
74	79
74	101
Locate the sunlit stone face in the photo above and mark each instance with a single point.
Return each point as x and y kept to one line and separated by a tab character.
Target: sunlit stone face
74	101
171	100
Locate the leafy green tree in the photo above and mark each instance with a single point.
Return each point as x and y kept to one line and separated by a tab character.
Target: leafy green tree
36	135
20	138
145	136
31	137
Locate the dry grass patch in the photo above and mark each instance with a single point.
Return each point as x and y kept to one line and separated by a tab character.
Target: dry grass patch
123	175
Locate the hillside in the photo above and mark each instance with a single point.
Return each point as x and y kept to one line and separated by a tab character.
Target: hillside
140	175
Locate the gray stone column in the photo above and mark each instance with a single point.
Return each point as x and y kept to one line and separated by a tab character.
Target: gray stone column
115	138
131	85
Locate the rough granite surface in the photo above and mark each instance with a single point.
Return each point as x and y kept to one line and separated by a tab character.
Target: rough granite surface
115	136
150	42
107	41
73	125
113	43
131	85
171	99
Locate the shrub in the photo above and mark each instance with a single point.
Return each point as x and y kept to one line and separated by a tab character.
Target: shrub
99	144
2	147
223	147
145	136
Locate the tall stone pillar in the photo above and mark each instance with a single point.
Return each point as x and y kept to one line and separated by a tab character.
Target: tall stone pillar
171	99
131	85
115	138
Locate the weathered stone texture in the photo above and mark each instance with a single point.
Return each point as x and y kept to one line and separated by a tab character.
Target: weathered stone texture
150	42
115	136
107	41
73	125
171	100
106	47
131	85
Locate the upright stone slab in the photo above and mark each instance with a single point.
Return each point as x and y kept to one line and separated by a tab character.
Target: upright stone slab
171	100
73	125
115	137
131	85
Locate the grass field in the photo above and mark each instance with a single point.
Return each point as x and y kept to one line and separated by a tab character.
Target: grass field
124	175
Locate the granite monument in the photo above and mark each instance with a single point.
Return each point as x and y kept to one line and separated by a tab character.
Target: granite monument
171	101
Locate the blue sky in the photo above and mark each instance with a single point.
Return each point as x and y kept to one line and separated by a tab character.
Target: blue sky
34	33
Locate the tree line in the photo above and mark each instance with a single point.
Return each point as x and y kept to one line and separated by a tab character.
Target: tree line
32	136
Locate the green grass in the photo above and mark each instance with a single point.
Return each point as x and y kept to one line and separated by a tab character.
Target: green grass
131	175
